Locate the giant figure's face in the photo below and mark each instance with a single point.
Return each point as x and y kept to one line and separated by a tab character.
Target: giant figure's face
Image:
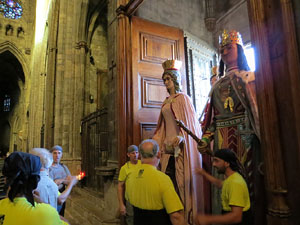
229	54
168	81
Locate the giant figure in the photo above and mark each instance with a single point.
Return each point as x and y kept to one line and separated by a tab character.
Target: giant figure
179	151
232	118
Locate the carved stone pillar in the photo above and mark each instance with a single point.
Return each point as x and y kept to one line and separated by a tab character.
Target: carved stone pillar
273	35
210	18
51	73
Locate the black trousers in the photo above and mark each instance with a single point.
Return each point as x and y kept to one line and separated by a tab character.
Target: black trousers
150	217
62	210
246	220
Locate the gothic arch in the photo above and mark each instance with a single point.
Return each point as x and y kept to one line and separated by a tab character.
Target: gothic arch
11	47
17	112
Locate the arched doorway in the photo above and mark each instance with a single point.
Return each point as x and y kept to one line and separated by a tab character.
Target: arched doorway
11	78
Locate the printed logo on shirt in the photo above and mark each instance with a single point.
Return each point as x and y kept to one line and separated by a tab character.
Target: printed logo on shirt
141	171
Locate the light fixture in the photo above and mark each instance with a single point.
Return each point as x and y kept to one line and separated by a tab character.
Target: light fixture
91	98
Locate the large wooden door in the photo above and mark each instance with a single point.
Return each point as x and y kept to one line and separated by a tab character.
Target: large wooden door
152	44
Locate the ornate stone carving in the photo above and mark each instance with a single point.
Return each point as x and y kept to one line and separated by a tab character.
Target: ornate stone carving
20	32
9	30
82	44
199	59
210	24
210	20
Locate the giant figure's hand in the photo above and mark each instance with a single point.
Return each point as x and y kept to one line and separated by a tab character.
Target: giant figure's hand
202	147
177	140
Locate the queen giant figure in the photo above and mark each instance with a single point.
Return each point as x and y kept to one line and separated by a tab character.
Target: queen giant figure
179	151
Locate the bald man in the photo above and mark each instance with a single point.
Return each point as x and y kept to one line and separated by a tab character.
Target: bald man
151	192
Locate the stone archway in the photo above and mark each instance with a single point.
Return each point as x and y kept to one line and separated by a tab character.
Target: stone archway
12	80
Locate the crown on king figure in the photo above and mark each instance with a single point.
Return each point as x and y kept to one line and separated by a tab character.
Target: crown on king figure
231	37
172	64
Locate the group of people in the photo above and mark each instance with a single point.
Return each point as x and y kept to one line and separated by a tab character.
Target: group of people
151	197
173	180
38	186
171	183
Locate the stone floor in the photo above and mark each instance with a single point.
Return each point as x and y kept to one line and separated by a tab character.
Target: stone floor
88	208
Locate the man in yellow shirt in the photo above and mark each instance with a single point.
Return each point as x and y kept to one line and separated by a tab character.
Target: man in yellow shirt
235	196
151	192
125	171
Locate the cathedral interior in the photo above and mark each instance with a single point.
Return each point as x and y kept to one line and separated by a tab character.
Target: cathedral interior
86	75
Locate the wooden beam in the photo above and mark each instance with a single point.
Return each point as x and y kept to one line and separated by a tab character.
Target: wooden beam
125	10
132	6
129	8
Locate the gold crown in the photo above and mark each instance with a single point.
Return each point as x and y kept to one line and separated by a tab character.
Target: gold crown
231	37
172	64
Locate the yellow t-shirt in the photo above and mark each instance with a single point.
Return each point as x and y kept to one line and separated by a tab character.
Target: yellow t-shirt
235	193
151	189
125	171
21	212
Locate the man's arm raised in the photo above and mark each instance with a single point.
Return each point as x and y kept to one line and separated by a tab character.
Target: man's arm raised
215	181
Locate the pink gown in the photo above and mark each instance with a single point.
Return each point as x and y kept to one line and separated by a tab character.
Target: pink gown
189	185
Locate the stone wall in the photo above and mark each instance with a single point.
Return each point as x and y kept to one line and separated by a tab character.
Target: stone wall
96	63
56	87
236	18
85	205
20	44
186	15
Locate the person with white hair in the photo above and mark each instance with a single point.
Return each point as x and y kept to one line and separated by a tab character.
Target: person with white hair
22	176
47	190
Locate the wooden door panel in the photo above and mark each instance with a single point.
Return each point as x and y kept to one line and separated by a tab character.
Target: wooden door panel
147	130
152	44
153	92
156	49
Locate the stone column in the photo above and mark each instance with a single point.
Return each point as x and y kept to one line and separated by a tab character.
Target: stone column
210	18
51	75
65	83
79	73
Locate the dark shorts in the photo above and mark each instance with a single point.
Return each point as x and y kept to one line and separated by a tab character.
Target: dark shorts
151	217
246	220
